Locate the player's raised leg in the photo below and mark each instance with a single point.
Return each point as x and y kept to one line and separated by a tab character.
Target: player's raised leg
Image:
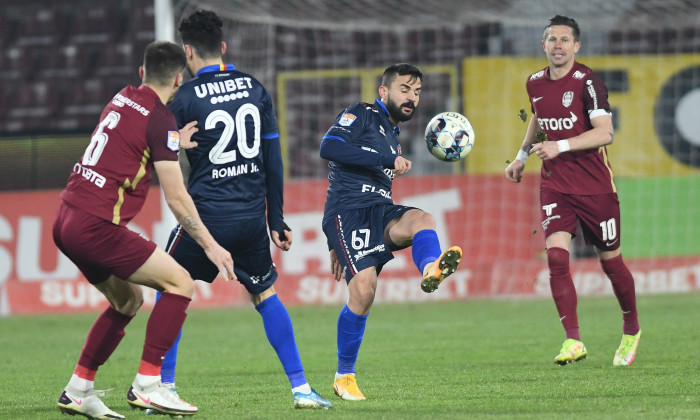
416	228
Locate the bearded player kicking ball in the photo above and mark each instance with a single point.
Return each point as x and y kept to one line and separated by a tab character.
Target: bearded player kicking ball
570	105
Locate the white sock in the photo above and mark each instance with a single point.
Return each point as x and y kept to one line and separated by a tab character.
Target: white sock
80	386
304	389
145	381
340	375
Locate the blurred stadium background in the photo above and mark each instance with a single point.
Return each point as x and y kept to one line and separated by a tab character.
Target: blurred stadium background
63	60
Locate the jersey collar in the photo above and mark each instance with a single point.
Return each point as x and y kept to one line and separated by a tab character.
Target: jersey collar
215	67
381	106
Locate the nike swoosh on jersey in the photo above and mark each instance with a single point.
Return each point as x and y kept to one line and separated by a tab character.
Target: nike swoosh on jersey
537	99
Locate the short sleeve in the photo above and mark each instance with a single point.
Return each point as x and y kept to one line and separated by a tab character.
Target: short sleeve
595	96
162	135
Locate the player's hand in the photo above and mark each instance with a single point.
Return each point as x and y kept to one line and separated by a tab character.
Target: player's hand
186	133
336	269
223	260
514	171
545	150
401	165
282	243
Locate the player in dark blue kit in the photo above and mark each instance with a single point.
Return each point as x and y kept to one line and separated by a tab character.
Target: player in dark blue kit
361	222
236	181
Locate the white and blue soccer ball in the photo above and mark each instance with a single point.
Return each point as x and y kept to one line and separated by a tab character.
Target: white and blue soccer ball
449	136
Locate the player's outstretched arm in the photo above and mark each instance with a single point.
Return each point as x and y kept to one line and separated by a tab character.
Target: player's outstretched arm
185	212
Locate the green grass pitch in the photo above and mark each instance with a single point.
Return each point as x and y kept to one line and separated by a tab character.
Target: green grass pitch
468	359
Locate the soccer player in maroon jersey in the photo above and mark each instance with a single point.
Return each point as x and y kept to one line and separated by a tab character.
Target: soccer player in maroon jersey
570	106
106	189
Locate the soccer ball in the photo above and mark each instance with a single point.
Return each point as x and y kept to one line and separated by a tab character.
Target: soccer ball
449	136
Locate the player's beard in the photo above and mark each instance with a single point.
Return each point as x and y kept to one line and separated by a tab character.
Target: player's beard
396	113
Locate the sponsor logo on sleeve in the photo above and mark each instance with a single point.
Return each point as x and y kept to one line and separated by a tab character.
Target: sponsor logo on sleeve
174	140
537	75
347	119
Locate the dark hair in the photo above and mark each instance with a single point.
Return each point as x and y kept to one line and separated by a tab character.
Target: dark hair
162	60
202	30
564	21
400	69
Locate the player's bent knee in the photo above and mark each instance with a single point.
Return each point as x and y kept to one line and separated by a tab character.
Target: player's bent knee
422	221
427	220
131	306
129	301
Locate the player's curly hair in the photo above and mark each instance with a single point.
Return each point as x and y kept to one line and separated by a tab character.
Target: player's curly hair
202	31
401	69
559	20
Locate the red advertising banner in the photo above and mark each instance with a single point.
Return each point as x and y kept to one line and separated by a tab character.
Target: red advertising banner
496	223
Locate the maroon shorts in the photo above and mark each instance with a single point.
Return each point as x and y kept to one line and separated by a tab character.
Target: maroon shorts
599	216
98	247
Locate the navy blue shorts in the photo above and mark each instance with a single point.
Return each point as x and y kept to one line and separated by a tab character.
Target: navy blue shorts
247	241
357	236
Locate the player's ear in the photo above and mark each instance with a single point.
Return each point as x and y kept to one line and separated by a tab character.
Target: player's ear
141	72
382	92
178	79
223	48
189	52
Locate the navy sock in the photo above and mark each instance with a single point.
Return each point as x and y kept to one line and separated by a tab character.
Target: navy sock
280	334
167	371
351	328
425	248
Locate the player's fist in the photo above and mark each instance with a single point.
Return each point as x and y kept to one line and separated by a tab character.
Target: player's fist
401	165
514	171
